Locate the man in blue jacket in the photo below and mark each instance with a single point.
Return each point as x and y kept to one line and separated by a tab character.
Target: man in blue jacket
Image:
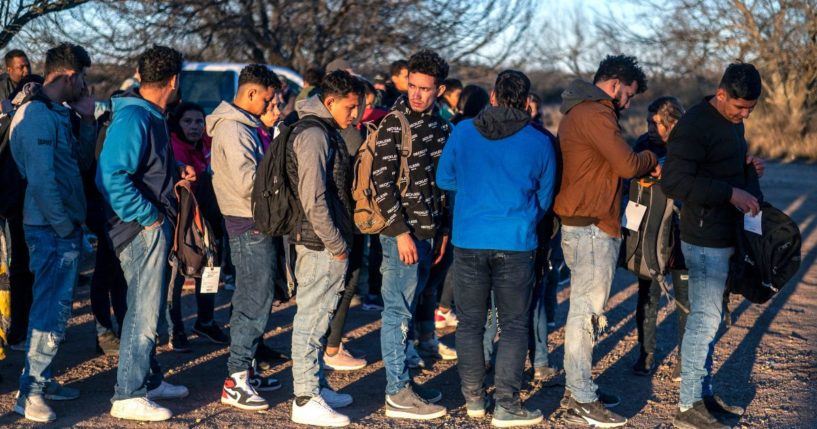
502	170
136	174
49	157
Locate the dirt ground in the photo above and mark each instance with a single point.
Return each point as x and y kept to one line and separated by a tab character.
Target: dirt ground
766	361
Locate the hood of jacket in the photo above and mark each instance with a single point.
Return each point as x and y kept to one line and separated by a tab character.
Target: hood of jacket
495	123
132	98
226	112
579	91
313	106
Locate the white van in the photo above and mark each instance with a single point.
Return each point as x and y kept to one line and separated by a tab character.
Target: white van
207	84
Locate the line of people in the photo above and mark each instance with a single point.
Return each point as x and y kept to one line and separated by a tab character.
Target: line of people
478	216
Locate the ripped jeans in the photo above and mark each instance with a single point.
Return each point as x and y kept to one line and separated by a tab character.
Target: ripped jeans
591	256
55	264
402	286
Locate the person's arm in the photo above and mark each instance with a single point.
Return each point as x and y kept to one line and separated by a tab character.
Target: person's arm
119	160
385	168
239	163
605	135
446	170
547	179
312	152
686	150
36	136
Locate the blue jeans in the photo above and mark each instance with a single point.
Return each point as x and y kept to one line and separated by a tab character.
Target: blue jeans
708	269
491	329
591	256
402	285
321	280
510	276
538	338
254	255
55	263
144	263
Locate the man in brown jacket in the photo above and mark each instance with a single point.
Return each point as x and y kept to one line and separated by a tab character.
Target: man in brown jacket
595	158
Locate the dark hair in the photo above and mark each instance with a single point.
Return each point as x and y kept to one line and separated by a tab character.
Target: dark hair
158	65
340	83
623	68
397	66
258	74
12	54
428	62
452	85
174	121
313	76
669	109
511	89
66	56
368	88
741	80
535	99
472	100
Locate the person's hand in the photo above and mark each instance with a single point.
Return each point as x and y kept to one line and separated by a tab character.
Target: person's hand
84	106
407	248
439	248
188	173
656	172
342	257
6	106
758	163
157	223
744	201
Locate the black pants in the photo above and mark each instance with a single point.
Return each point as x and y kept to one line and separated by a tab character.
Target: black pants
352	278
447	288
646	313
205	305
108	285
21	281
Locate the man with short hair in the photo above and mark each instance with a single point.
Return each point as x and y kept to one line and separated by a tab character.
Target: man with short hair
397	83
503	171
706	171
50	158
136	173
17	67
236	154
417	224
595	158
318	166
312	81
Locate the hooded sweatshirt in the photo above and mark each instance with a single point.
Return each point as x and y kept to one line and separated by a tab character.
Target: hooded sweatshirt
422	211
50	158
136	170
502	170
235	155
319	168
595	157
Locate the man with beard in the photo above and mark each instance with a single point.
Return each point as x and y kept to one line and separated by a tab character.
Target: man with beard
595	159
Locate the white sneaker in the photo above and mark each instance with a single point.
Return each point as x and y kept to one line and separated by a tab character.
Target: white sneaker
238	393
140	409
317	412
168	391
413	359
335	399
34	408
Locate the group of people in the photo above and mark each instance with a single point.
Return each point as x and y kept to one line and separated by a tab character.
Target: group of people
478	215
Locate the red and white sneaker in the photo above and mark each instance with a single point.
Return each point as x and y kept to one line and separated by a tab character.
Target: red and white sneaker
445	319
238	392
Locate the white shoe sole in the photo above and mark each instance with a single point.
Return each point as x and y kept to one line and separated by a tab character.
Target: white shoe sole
515	423
406	415
476	414
260	407
598	424
150	418
21	411
342	367
312	422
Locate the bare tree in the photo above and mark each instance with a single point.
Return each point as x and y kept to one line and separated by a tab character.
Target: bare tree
16	14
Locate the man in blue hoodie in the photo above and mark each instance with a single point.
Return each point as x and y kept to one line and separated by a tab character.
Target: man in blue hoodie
49	157
495	218
135	175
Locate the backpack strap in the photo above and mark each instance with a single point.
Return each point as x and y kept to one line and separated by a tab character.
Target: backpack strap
405	151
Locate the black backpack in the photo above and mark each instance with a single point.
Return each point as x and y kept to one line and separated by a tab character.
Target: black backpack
275	209
194	244
762	264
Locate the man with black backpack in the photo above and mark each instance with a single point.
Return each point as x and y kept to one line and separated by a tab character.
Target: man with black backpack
236	154
318	169
50	158
706	170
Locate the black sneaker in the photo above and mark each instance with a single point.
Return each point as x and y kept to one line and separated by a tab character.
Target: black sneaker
406	404
212	332
517	416
594	414
476	408
428	394
697	417
716	405
266	357
107	344
608	400
645	364
179	343
547	376
262	384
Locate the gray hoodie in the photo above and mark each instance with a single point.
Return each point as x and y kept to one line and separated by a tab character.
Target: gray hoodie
236	153
50	159
579	91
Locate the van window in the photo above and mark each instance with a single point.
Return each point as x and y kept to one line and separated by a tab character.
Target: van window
208	88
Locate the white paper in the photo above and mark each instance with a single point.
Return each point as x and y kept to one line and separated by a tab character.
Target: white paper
209	279
753	223
633	215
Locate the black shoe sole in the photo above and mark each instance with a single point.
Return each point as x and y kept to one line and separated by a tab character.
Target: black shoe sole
209	338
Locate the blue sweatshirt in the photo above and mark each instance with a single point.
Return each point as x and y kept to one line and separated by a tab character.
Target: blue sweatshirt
502	170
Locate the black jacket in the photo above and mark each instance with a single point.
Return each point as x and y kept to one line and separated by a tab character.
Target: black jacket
423	211
706	158
7	87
